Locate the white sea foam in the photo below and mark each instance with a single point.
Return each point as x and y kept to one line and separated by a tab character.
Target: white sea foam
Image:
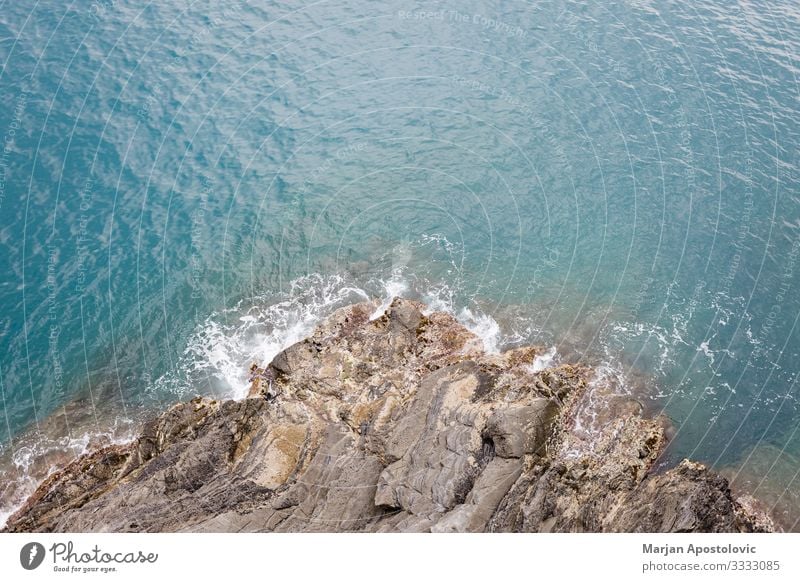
4	515
608	381
703	347
544	361
222	350
396	286
482	325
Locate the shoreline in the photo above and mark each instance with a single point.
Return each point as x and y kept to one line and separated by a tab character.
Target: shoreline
560	422
72	431
57	442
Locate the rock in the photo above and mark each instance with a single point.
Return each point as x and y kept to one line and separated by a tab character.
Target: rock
688	498
399	423
521	430
481	503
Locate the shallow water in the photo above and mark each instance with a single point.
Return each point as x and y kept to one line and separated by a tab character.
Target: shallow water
185	188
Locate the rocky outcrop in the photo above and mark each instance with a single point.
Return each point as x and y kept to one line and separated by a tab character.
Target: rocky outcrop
396	423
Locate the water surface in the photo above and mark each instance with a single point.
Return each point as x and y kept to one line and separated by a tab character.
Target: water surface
188	186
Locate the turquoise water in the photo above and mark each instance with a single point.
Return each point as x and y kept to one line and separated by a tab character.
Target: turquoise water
188	186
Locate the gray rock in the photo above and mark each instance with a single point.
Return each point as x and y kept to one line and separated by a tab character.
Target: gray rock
401	423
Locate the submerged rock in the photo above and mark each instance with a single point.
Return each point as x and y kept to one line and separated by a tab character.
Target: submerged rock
400	423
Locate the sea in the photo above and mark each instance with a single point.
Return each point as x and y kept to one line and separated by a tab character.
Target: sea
188	187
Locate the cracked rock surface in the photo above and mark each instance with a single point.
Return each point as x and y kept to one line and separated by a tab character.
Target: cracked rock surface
399	423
